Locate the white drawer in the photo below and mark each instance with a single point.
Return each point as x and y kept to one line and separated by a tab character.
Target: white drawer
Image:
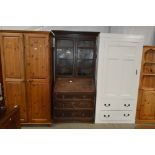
116	115
113	105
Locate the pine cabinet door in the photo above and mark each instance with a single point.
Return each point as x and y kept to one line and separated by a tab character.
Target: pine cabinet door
39	102
15	95
12	56
147	106
37	56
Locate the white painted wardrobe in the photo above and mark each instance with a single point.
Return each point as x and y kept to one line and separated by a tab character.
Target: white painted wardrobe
118	72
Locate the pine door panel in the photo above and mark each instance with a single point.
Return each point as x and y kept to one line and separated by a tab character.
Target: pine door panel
37	56
147	106
12	53
15	95
39	102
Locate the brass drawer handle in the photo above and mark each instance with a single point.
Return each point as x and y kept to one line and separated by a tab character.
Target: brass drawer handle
106	116
126	115
126	105
107	105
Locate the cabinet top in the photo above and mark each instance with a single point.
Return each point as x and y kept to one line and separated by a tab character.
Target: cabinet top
24	31
74	34
80	85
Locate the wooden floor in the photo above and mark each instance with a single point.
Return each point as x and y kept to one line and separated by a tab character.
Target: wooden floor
82	126
92	126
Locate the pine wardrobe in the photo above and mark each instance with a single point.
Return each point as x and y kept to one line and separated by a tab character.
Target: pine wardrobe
119	61
26	72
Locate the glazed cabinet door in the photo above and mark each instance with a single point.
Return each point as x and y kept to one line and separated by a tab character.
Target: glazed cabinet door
38	77
12	56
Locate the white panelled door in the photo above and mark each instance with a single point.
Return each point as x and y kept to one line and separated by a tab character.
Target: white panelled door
119	62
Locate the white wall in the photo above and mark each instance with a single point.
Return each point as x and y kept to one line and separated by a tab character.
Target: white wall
147	31
104	29
79	28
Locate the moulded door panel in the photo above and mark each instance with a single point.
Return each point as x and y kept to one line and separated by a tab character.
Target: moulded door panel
37	56
147	106
39	102
12	55
15	95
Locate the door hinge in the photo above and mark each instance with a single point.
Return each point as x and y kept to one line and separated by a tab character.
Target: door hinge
136	71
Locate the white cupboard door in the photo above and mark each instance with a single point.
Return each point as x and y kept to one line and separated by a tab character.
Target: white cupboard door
118	74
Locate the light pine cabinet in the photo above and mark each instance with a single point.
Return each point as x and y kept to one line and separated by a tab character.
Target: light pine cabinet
119	60
26	74
146	101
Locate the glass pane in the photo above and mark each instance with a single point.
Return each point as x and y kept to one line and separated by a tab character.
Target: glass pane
85	43
85	53
85	67
64	43
64	67
65	53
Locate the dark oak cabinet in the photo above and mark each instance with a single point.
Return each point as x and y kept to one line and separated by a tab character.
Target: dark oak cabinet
74	88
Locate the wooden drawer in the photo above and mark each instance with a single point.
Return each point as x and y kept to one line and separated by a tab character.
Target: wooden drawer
114	106
74	96
73	113
116	115
74	104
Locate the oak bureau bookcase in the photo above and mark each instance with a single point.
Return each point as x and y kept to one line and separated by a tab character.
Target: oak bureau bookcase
74	91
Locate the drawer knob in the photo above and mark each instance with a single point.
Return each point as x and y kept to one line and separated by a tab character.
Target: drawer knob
10	119
126	115
106	116
126	105
83	114
107	105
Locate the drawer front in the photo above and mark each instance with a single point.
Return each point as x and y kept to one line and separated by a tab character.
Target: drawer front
72	97
73	114
113	105
116	115
74	104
